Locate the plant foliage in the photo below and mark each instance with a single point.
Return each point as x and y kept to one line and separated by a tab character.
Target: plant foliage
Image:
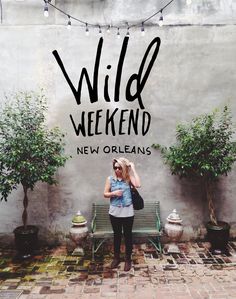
29	151
204	148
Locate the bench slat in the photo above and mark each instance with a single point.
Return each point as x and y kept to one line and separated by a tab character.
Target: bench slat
146	217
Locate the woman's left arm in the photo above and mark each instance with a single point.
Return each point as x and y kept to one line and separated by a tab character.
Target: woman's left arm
134	177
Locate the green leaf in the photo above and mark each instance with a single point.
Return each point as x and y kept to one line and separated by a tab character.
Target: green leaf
29	151
204	147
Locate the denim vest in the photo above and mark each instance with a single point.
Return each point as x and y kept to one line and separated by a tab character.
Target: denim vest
124	200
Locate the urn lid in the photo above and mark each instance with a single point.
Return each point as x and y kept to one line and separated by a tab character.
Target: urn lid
79	219
174	217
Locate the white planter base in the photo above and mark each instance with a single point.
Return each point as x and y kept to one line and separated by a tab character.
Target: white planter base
78	251
172	248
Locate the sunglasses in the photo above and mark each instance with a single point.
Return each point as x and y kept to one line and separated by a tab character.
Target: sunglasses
117	168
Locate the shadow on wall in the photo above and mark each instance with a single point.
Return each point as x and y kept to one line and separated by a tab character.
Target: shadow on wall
194	200
224	193
195	212
59	202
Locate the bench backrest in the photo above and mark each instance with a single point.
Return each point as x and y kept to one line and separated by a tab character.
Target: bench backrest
145	218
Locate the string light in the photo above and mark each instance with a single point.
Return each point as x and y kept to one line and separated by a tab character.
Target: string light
86	30
69	23
100	31
142	30
127	33
161	20
118	33
45	9
109	27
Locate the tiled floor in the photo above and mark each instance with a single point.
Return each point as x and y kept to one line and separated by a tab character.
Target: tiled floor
193	274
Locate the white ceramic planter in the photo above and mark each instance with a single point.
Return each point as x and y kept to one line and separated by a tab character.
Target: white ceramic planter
174	230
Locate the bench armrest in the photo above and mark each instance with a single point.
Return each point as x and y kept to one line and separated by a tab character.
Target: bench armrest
158	224
93	223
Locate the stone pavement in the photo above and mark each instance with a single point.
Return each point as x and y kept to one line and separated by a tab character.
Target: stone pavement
54	274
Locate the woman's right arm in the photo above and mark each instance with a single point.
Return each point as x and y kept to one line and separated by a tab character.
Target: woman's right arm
107	190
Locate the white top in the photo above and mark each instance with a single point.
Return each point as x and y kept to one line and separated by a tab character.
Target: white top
121	211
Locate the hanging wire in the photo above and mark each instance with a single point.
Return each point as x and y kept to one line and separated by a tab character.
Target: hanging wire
63	12
105	25
159	11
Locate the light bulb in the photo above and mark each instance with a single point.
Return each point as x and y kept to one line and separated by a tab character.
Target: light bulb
142	30
188	2
87	30
69	24
118	33
100	31
108	29
161	21
45	10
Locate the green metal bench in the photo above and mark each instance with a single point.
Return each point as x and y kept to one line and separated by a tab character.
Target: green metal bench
147	224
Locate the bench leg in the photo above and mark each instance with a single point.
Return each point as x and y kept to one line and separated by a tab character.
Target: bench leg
156	242
93	249
96	246
159	246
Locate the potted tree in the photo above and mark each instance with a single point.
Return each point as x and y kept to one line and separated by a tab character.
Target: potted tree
205	151
29	152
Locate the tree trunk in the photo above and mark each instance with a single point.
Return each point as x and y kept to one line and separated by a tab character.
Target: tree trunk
25	203
209	195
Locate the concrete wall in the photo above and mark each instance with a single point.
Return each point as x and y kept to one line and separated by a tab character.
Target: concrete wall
195	72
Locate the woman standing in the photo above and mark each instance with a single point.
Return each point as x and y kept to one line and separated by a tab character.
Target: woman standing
121	211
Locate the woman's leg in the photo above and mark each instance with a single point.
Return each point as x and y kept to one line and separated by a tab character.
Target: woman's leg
117	229
127	227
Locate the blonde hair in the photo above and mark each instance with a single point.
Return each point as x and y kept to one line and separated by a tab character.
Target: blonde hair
124	164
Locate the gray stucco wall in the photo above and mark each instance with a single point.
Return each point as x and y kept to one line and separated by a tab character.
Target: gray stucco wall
195	72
